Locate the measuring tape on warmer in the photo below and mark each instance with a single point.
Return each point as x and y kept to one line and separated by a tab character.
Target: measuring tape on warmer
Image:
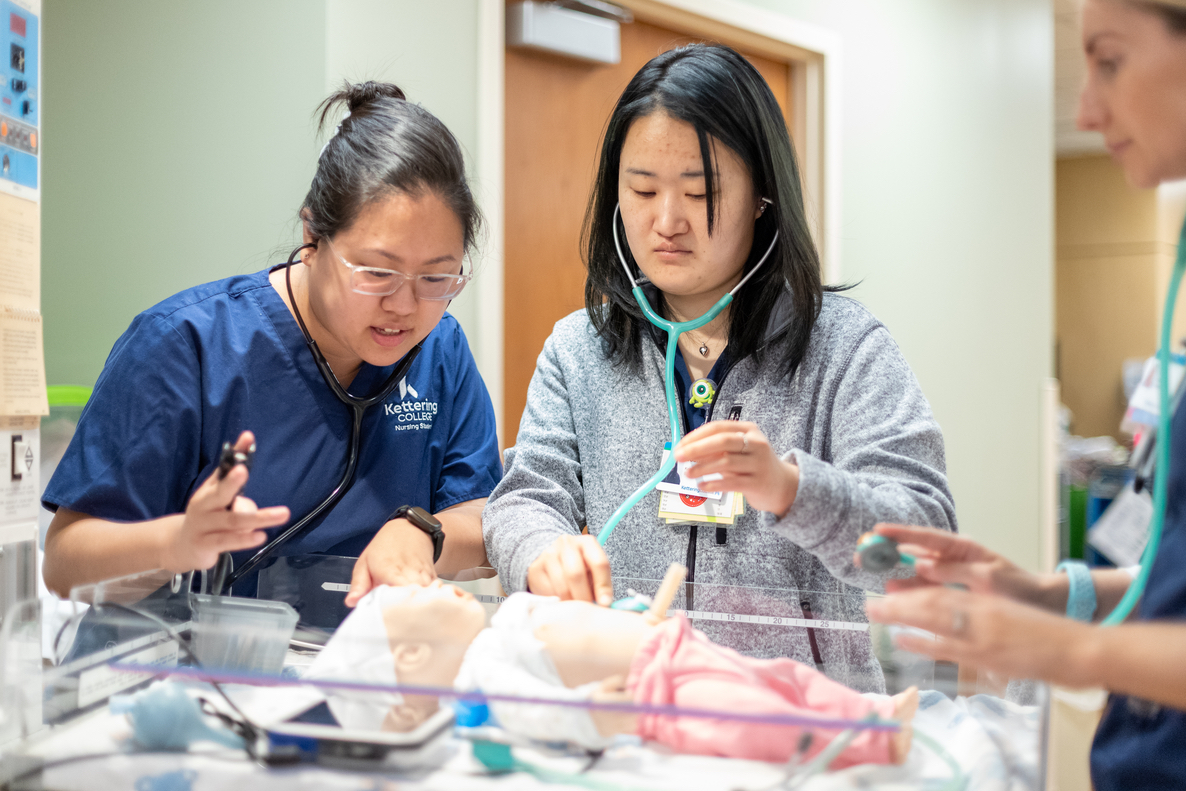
730	617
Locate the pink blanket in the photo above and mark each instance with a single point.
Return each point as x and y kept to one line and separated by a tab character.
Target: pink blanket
678	665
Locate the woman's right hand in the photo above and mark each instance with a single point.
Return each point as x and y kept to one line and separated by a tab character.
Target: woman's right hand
573	567
943	558
209	529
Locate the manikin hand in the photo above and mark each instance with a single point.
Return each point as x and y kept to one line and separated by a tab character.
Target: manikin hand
209	528
943	558
573	567
399	554
742	454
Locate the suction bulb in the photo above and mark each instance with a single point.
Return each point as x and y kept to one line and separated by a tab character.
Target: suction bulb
164	717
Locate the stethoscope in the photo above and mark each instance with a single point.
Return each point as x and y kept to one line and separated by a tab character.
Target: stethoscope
358	407
878	553
674	330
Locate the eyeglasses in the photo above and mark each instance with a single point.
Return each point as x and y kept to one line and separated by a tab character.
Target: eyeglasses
378	282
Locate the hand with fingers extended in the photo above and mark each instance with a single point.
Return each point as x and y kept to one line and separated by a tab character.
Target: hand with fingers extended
218	519
942	558
990	632
741	454
573	567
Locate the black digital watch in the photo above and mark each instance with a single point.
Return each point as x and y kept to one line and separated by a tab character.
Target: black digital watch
426	522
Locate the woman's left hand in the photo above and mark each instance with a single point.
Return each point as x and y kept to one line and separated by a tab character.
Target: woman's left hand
991	632
399	554
741	453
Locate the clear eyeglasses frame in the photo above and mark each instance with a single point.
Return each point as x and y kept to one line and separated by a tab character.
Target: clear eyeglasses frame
378	282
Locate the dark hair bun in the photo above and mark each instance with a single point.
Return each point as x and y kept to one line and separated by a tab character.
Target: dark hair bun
359	96
369	91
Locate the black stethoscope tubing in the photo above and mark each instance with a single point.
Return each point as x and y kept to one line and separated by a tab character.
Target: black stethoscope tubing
358	407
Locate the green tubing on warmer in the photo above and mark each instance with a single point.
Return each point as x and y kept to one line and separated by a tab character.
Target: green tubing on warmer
1162	470
674	330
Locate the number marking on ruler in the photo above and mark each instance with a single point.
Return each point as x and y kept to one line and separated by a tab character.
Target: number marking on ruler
729	617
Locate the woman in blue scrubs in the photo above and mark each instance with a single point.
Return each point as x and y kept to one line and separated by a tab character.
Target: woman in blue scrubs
1009	620
388	222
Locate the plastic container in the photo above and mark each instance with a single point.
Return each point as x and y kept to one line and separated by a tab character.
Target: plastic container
233	633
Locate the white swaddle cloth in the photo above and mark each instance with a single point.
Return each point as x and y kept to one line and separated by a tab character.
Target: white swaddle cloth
360	651
507	659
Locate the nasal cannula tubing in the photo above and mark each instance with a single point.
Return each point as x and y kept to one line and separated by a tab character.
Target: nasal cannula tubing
1162	470
674	330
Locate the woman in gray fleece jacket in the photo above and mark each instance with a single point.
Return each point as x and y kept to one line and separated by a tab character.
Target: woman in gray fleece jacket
830	431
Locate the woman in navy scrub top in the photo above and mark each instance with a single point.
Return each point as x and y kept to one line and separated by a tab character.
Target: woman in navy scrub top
227	361
1136	96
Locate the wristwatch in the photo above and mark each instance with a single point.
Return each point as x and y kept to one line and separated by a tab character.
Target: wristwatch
426	522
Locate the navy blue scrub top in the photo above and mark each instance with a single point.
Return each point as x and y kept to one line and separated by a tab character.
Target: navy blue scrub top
1139	744
214	360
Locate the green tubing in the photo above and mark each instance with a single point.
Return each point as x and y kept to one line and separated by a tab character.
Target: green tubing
640	493
1161	473
68	395
674	330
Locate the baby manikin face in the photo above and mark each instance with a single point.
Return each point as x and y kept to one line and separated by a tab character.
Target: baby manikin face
453	604
437	613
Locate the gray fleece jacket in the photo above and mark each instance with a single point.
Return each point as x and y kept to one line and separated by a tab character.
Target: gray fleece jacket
852	417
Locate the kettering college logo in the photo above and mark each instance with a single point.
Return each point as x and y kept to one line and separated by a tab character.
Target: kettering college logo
414	415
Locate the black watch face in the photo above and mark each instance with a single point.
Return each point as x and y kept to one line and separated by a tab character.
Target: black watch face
423	519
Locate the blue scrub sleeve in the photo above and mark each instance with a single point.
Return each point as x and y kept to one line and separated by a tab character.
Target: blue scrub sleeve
135	453
472	465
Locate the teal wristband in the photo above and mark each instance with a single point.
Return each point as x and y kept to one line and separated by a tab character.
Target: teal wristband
1081	602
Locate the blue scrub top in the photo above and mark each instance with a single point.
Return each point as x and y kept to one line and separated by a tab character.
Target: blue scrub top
214	360
1139	744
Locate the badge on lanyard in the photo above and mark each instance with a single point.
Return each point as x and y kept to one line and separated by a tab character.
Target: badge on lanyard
681	501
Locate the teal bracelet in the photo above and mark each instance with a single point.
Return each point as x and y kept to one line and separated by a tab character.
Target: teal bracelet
1081	602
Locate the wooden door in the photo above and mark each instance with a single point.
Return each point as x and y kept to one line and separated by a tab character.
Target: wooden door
556	111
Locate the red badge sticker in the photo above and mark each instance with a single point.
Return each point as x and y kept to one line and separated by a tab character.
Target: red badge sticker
692	500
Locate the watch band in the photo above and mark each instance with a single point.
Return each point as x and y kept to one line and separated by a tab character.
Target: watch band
1081	601
426	522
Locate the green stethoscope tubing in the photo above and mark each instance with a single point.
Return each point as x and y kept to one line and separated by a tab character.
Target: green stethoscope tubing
674	330
1162	470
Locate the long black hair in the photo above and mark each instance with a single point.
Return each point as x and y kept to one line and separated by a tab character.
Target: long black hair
386	144
718	92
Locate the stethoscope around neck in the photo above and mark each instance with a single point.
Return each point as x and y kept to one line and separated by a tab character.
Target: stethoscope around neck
358	407
674	330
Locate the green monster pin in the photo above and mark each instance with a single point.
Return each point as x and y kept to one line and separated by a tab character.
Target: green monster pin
702	393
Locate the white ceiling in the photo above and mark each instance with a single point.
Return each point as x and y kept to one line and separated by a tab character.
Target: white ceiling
1068	77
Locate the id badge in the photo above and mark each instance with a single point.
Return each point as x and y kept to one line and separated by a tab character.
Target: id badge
681	501
678	482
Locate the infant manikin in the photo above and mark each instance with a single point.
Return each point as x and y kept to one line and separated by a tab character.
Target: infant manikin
540	647
407	635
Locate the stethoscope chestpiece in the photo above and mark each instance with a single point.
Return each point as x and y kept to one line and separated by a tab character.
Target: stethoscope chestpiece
877	553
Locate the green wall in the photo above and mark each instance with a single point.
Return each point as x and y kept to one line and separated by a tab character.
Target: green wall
179	140
178	148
